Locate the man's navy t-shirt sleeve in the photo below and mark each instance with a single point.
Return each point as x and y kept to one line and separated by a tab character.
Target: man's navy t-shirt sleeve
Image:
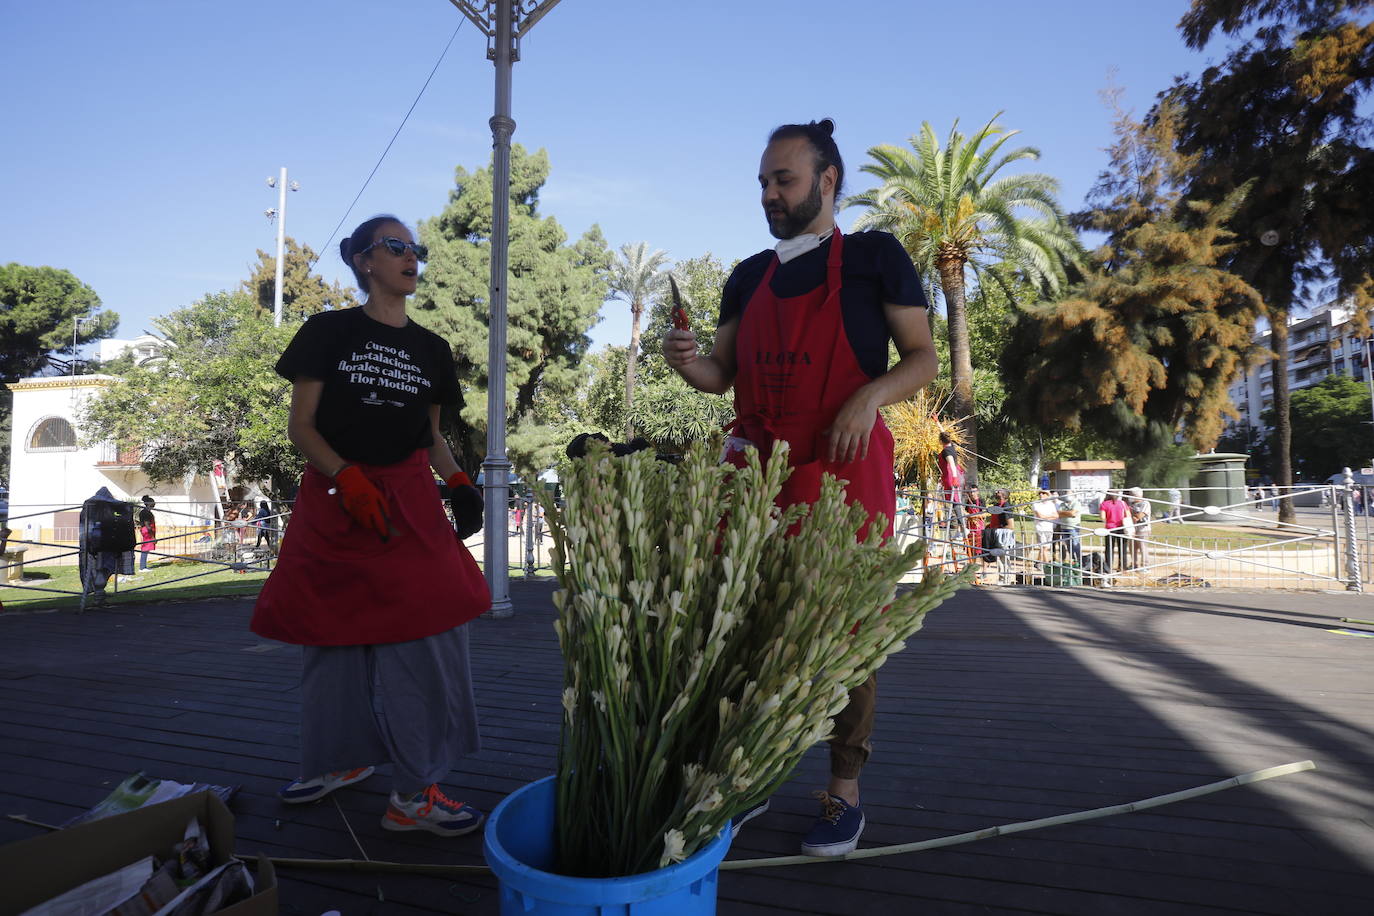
730	304
901	286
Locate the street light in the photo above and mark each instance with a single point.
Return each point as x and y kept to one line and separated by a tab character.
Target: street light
76	329
279	214
1369	378
504	22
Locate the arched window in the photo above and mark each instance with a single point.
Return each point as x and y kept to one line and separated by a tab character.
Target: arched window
52	433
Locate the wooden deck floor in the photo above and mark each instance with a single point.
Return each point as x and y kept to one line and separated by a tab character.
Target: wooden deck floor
1011	705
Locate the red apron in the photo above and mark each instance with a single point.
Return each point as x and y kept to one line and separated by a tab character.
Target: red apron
795	370
338	584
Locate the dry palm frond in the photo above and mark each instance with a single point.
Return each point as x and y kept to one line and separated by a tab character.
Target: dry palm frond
916	426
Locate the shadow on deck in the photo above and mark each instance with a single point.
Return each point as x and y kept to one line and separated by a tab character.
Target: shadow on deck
1011	705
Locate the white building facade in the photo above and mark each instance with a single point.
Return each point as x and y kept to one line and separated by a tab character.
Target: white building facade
1319	345
52	473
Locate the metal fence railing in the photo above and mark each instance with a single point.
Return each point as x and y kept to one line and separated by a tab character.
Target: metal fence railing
1180	544
210	542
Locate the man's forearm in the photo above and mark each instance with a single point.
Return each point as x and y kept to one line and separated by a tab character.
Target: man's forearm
912	373
705	373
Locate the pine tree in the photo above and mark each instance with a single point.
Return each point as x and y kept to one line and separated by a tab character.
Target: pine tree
554	294
303	293
1282	113
1149	341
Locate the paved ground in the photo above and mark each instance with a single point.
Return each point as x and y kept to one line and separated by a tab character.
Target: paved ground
1013	704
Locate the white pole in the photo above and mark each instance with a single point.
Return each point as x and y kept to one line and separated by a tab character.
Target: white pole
281	248
1369	377
496	467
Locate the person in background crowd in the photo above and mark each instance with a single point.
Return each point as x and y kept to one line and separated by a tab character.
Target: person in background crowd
265	522
147	532
1140	528
1068	537
975	519
1175	513
1000	538
1114	514
1046	513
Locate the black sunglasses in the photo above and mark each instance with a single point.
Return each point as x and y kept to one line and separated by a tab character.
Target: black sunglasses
398	247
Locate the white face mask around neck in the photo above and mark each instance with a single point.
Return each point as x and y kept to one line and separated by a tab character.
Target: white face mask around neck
798	245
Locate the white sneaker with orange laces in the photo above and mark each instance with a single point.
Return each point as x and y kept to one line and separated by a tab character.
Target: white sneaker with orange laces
431	810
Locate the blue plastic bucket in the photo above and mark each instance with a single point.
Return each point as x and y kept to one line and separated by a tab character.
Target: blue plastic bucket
519	845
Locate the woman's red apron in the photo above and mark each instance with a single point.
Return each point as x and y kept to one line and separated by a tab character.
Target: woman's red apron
796	369
338	584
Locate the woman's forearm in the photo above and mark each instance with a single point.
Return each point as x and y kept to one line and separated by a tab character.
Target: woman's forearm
313	446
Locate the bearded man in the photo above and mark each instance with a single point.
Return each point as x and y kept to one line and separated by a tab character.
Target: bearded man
803	341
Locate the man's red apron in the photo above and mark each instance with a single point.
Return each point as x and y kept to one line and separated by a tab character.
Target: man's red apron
796	369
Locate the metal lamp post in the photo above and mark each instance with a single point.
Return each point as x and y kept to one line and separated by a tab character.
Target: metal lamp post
1369	378
504	22
279	214
76	329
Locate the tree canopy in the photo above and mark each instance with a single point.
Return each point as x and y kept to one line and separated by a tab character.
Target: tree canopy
39	307
303	293
39	312
555	292
1282	115
1331	427
1149	341
215	396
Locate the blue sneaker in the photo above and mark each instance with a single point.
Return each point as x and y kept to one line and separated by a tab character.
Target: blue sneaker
836	831
299	791
748	814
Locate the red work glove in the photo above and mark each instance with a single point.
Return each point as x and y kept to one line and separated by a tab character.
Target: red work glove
363	502
466	502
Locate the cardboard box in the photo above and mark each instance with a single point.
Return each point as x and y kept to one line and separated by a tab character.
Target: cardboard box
37	870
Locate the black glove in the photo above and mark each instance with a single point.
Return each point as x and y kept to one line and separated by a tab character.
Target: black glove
466	502
577	448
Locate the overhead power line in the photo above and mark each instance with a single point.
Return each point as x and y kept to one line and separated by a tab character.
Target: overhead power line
320	251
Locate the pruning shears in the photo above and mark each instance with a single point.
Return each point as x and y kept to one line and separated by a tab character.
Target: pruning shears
679	313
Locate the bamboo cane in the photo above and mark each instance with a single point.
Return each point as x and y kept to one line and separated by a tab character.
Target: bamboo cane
456	871
1022	826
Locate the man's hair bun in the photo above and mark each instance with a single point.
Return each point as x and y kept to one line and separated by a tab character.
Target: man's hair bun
821	135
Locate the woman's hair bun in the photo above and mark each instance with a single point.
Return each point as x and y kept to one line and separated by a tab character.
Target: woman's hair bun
344	246
826	125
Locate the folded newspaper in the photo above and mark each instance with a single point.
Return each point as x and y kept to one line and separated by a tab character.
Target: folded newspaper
181	882
141	790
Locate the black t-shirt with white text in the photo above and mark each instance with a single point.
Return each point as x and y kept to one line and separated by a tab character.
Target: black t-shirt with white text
876	270
379	382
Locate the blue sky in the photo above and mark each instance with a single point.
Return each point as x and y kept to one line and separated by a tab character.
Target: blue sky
141	132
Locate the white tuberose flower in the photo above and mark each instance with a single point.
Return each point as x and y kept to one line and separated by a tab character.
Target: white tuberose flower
672	848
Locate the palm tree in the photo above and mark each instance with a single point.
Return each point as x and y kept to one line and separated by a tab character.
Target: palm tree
953	214
636	276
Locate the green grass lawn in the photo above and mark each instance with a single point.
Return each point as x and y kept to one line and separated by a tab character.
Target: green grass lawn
212	581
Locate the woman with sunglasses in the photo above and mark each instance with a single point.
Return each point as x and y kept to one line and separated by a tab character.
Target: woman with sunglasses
371	579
